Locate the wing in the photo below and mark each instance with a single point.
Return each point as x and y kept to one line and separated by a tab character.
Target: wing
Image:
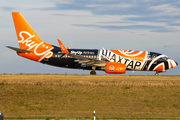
88	61
82	60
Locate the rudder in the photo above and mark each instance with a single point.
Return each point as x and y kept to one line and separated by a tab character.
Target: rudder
29	40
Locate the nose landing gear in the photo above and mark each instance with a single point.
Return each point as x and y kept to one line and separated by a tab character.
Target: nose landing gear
156	73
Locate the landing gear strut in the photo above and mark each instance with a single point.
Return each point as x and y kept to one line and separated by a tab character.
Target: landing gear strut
93	70
157	73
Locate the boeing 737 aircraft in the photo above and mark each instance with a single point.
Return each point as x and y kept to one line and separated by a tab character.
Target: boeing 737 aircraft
110	61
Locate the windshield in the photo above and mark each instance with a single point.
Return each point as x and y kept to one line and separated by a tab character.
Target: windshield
164	58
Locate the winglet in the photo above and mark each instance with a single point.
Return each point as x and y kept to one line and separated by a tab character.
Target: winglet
63	49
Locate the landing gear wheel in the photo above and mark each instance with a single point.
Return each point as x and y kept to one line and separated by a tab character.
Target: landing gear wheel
156	73
92	73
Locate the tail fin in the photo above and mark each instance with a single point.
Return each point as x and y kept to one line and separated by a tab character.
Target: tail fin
29	40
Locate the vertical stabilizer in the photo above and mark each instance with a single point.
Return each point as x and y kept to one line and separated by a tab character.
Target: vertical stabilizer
29	40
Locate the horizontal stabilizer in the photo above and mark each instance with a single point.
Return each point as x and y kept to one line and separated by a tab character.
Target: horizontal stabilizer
19	50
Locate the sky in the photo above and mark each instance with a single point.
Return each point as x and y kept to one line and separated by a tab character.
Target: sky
148	25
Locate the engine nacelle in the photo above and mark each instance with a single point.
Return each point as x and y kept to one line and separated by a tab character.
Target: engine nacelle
115	68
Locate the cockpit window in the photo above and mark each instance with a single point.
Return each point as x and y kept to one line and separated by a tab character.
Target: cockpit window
164	58
153	55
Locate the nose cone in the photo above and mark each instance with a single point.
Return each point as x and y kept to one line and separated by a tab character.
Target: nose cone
172	63
176	63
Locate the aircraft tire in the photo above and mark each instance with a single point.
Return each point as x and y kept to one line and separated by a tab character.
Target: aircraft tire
156	74
93	73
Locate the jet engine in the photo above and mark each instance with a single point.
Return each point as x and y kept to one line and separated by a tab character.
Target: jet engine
115	68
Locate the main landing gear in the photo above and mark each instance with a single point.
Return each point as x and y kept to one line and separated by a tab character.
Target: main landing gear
93	72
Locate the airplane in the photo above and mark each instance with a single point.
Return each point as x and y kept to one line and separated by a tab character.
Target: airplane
110	61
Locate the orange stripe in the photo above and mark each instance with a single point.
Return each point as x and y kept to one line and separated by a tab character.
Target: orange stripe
137	58
171	64
132	53
160	68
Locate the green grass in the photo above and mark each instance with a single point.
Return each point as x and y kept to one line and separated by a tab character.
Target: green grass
77	96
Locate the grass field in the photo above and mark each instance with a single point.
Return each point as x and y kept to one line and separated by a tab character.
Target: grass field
77	96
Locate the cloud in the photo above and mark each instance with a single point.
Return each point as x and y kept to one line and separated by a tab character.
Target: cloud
166	9
175	24
131	27
73	13
146	11
7	8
